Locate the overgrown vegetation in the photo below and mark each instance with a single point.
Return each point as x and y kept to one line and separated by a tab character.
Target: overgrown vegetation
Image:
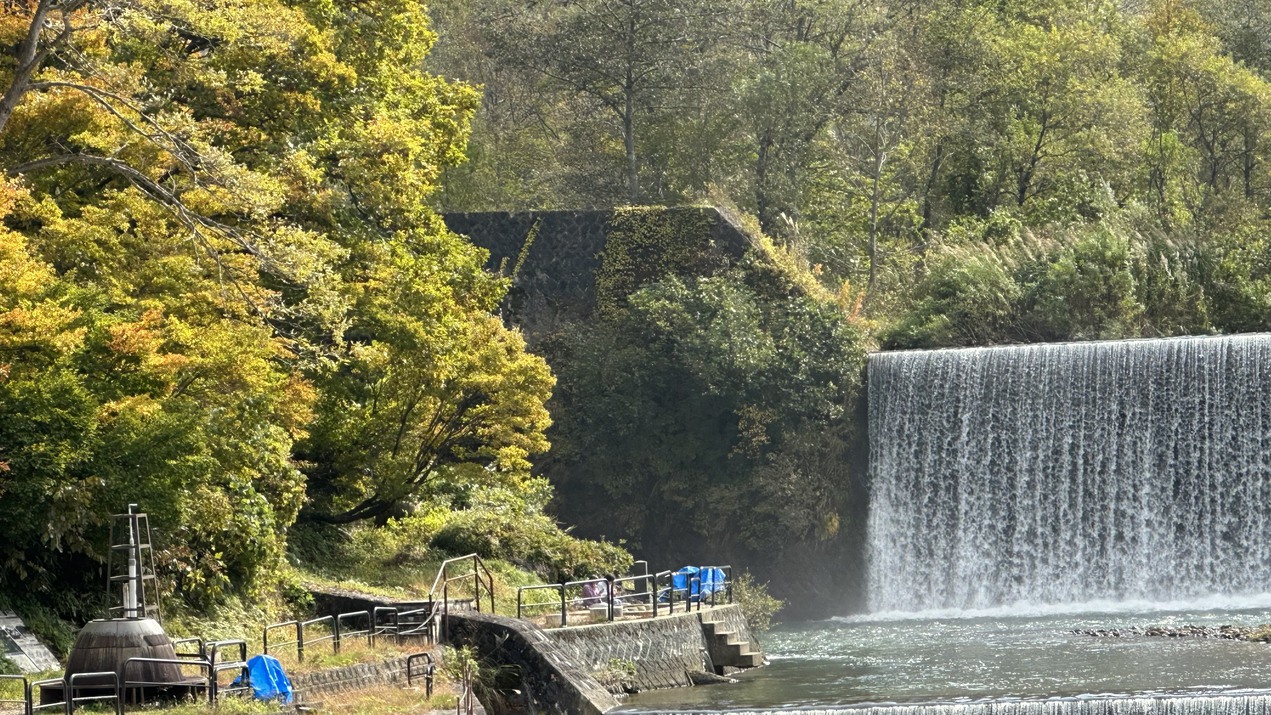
224	296
757	605
225	292
961	173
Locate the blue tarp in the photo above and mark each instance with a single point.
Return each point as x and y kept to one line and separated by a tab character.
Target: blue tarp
711	580
269	682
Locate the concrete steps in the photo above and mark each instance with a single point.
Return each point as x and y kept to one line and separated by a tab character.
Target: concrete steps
728	647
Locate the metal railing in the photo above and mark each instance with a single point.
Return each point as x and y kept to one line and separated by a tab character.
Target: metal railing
333	637
430	669
640	589
37	686
81	689
389	625
180	643
560	602
213	650
382	621
425	628
25	700
481	578
70	699
205	682
369	631
265	644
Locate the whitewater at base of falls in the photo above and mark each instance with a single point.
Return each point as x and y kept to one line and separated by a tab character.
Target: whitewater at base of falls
1061	473
1251	704
972	663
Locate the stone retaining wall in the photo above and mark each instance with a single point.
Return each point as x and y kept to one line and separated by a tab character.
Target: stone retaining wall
357	676
663	650
536	674
560	255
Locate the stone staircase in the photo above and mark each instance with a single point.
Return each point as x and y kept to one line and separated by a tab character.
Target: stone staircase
728	648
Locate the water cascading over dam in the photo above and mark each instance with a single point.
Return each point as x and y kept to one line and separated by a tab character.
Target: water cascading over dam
1069	473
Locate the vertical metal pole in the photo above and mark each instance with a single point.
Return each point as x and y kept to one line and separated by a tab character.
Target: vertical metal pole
563	611
335	640
300	641
476	584
609	584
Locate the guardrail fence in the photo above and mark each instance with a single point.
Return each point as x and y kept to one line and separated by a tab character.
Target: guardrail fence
650	594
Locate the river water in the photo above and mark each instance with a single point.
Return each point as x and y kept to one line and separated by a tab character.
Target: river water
1137	472
979	661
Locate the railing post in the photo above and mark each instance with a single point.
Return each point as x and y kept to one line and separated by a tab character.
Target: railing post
563	610
300	641
335	630
609	586
476	585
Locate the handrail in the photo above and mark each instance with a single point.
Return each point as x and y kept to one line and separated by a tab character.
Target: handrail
275	626
559	587
425	627
429	669
244	679
25	702
478	566
300	635
378	630
369	631
202	665
38	685
68	694
201	655
214	650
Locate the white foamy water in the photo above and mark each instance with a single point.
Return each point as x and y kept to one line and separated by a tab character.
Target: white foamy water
1029	476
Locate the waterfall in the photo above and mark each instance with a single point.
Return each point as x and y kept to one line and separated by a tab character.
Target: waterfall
1067	473
1165	705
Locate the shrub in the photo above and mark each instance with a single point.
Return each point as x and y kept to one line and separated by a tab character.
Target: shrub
530	540
757	605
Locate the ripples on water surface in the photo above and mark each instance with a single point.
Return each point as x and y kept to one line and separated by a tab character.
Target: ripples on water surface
989	656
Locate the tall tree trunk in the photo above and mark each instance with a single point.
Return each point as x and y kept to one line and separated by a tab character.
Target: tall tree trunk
30	56
628	138
763	199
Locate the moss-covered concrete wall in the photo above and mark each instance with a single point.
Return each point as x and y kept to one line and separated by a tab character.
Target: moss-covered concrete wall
565	265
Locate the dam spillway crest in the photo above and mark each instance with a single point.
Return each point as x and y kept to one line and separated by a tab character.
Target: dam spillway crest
1070	473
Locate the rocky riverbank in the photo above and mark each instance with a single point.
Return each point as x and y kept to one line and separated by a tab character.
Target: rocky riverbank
1261	634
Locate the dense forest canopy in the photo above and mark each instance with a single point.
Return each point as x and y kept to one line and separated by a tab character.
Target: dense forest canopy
974	171
226	290
224	295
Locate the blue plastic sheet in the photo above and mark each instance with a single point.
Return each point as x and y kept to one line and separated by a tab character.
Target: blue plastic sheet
708	580
269	682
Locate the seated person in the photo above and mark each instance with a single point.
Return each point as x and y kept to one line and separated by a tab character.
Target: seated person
595	592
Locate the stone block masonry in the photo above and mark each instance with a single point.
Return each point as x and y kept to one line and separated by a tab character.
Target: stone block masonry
665	651
356	677
544	678
557	256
